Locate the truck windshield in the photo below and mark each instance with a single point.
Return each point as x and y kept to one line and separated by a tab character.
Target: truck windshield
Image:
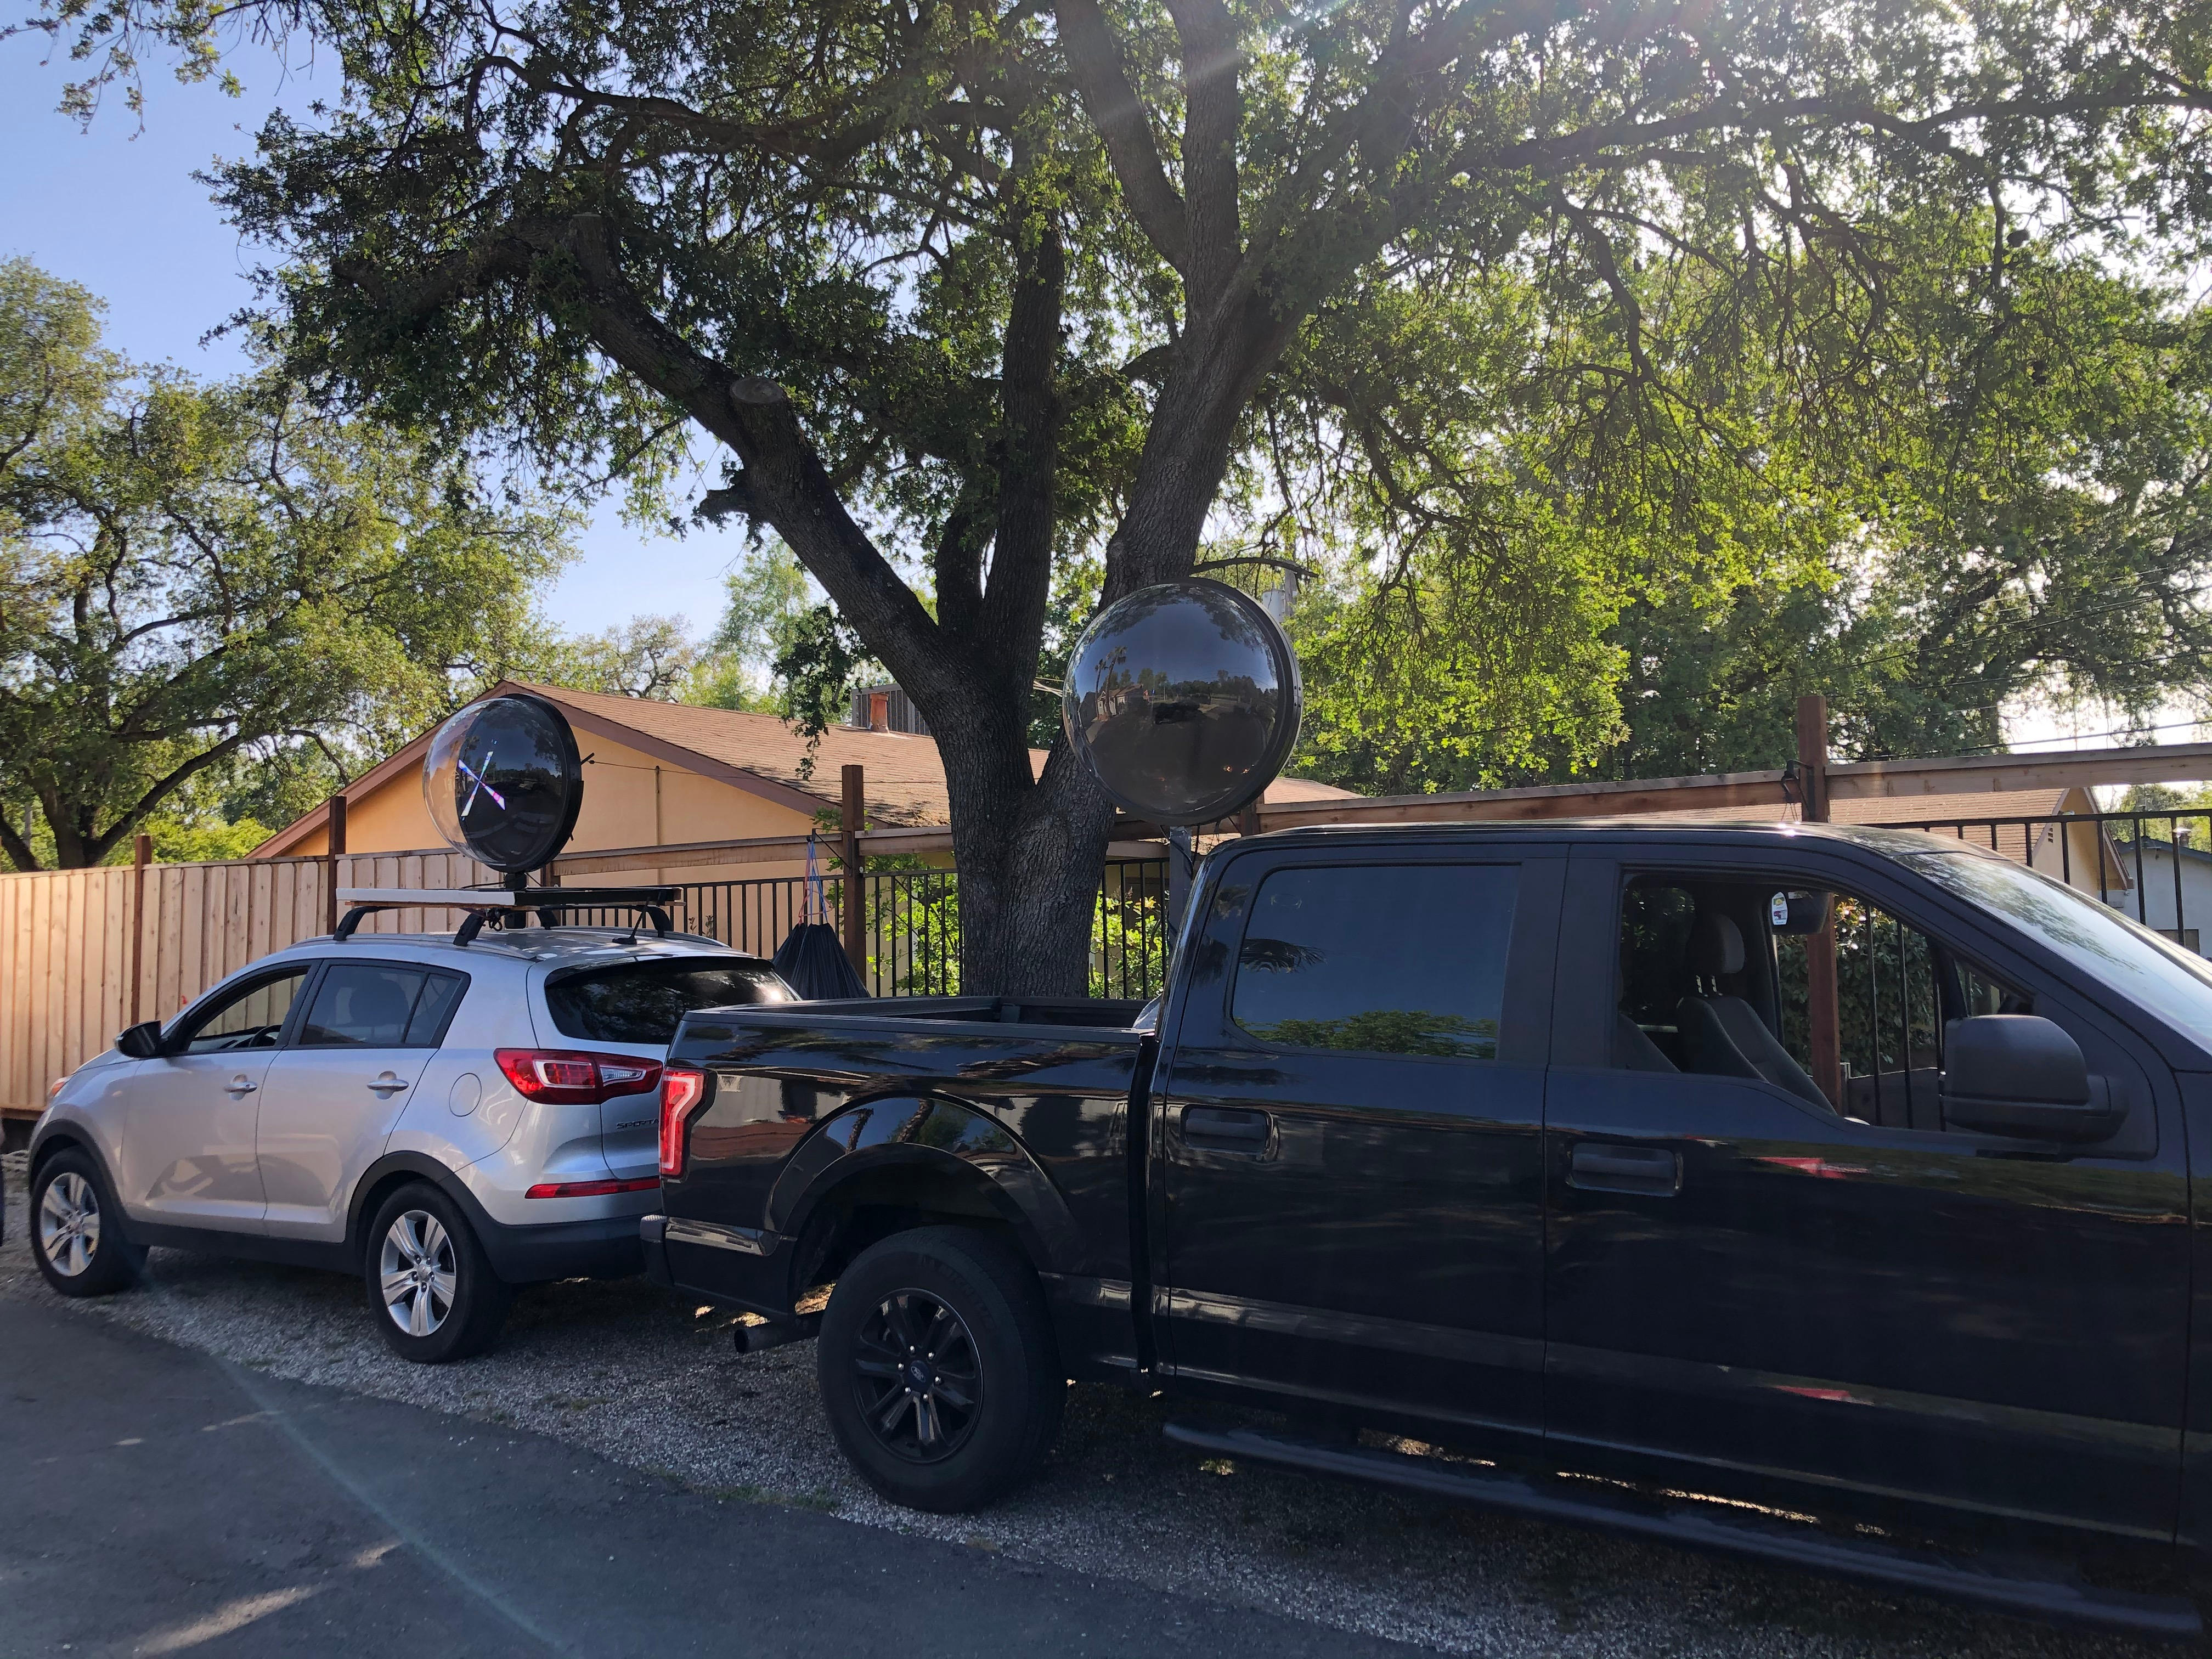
642	1001
2171	982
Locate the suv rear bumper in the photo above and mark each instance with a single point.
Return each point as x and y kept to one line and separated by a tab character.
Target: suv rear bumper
604	1248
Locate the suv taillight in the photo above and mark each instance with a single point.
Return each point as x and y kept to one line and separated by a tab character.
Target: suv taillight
683	1091
561	1077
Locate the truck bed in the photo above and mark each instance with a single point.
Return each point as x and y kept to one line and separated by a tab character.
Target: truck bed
824	1120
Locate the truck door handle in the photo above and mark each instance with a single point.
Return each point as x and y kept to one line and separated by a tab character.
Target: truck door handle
1650	1170
1225	1129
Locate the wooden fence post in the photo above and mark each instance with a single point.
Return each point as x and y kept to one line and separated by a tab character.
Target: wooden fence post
337	851
141	854
1823	1035
856	904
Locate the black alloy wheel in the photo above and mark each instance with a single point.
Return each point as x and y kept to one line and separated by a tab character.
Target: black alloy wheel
917	1376
938	1371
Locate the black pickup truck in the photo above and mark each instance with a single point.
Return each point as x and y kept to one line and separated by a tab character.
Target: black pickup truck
1827	1171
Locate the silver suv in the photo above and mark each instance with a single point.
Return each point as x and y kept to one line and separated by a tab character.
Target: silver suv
449	1120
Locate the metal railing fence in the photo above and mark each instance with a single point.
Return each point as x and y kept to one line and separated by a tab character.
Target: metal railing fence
912	924
2153	866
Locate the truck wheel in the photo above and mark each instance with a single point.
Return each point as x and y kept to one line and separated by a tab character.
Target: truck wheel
77	1229
938	1369
431	1288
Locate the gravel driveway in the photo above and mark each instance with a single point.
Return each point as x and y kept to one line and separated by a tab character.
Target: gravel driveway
627	1371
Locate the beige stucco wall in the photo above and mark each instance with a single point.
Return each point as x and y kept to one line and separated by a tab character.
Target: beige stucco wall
630	799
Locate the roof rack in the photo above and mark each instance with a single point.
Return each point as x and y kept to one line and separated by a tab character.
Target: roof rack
506	905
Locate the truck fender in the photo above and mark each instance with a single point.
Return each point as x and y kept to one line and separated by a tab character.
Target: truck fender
928	1131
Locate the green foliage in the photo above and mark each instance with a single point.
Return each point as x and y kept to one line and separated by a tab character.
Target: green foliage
192	575
917	917
1129	942
768	596
1389	1031
780	650
1074	596
648	657
2005	511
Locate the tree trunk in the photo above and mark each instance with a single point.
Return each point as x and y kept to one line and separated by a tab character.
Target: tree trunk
1028	878
1029	852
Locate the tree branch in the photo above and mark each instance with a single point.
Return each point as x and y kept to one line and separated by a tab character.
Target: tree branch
789	485
1012	618
1213	121
1094	62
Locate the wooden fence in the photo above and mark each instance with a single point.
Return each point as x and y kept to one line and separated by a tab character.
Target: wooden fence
84	953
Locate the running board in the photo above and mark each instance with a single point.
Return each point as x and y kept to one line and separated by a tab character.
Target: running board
1697	1526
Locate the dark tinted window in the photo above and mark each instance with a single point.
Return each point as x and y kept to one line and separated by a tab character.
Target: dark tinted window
250	1018
642	1001
433	1010
379	1004
1406	959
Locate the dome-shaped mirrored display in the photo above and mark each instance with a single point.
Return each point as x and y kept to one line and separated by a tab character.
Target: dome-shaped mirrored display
1184	698
503	782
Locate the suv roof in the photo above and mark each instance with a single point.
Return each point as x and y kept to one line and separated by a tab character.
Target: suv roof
558	944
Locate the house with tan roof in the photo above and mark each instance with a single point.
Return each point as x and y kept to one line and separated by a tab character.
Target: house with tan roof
671	774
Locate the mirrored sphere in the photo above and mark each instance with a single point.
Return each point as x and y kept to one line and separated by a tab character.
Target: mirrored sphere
503	782
1184	698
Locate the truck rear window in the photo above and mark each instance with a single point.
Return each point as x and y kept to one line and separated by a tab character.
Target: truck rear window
642	1001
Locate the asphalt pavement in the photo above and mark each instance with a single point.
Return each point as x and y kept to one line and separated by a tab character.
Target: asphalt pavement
165	1501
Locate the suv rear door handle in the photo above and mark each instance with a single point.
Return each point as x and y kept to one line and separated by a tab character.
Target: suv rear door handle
386	1085
1226	1129
1650	1170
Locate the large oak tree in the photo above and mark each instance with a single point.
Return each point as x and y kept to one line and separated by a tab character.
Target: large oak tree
190	576
962	288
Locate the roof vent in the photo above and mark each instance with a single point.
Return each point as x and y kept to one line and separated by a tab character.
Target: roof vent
883	708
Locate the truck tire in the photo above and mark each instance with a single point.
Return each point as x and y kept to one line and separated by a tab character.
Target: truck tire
431	1288
76	1227
938	1369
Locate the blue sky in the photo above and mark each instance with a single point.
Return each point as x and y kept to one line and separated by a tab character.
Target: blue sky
117	210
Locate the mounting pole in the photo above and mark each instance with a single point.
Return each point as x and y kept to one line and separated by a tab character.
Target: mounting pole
1824	1036
141	854
336	848
1182	868
855	885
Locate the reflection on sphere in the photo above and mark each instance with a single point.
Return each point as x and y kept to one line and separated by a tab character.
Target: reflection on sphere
1184	698
503	782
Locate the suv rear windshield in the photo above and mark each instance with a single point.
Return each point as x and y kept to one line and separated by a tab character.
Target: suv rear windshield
642	1001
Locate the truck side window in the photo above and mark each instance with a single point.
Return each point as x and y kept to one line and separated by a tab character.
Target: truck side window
1404	959
1717	976
1896	992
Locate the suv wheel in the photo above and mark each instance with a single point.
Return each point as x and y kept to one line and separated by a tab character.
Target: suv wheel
938	1369
75	1235
430	1287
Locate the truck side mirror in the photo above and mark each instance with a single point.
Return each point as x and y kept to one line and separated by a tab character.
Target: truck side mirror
142	1042
2020	1074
